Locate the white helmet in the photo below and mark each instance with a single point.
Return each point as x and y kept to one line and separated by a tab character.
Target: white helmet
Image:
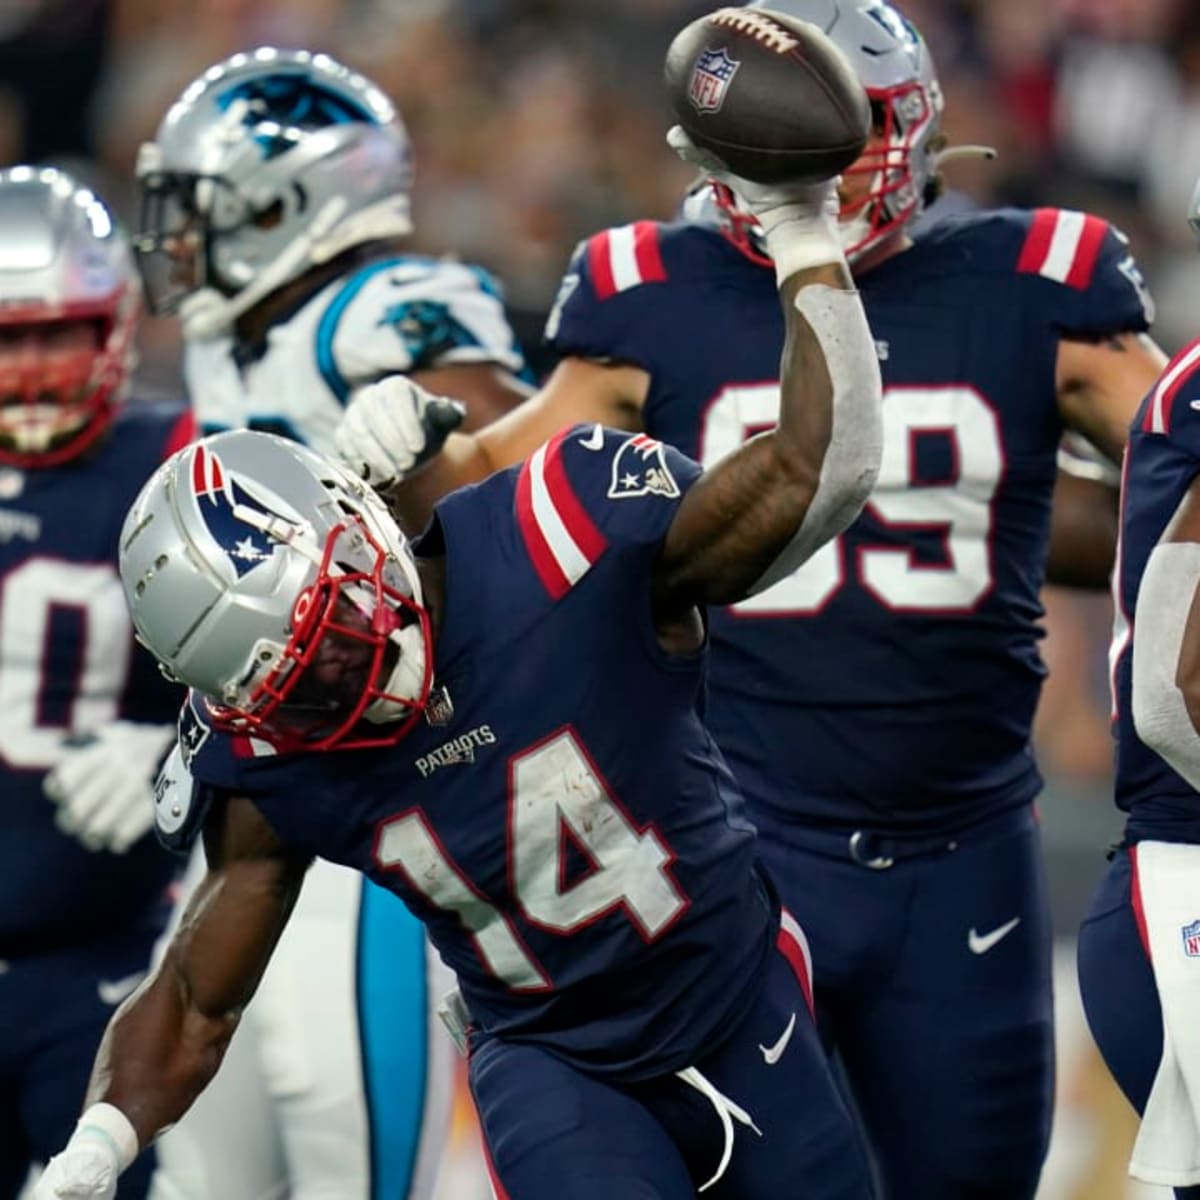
893	62
62	260
269	163
268	578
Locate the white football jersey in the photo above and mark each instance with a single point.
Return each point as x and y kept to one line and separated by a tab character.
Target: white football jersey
396	315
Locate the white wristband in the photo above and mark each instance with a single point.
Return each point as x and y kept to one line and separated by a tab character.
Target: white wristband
107	1123
800	239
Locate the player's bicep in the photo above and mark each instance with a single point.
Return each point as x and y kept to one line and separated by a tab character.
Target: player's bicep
1100	383
730	528
236	914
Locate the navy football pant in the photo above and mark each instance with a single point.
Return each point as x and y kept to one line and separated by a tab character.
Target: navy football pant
53	1010
1120	999
554	1133
933	986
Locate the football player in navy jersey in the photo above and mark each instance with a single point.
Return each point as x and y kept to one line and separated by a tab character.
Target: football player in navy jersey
1140	941
876	705
275	218
84	719
520	756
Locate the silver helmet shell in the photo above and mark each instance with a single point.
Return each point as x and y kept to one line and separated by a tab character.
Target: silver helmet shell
246	558
63	261
268	163
894	64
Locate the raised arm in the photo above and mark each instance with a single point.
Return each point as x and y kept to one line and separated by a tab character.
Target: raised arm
764	509
165	1043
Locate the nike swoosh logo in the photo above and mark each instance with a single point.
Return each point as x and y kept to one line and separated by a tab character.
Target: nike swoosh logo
113	991
1194	404
981	943
594	440
772	1054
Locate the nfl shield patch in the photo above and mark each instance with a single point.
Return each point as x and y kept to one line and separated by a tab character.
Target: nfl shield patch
711	76
1191	939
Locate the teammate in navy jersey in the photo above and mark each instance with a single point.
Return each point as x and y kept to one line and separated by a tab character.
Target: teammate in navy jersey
876	705
84	720
275	219
1139	943
522	760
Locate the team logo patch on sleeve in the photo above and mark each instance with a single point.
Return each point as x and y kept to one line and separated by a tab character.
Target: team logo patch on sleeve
640	469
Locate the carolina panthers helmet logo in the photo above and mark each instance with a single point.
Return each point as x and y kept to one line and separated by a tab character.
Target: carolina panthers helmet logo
640	469
219	497
277	108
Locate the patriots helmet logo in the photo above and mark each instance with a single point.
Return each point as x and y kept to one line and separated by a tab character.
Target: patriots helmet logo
219	496
640	469
711	76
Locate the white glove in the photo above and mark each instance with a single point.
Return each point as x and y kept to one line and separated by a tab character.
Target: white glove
104	788
391	427
103	1145
799	220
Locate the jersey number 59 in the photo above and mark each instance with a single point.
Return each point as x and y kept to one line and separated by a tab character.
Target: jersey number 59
960	508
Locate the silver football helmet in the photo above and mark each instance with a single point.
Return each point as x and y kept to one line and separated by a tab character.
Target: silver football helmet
894	64
69	301
270	580
267	164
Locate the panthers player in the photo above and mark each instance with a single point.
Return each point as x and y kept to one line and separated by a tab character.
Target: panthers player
275	204
84	720
1139	942
539	788
876	705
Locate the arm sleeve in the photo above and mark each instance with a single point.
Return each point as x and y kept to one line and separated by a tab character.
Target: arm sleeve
611	300
592	496
410	315
1080	274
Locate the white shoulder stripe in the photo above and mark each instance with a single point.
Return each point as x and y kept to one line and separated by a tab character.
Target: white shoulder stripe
1064	245
572	561
622	258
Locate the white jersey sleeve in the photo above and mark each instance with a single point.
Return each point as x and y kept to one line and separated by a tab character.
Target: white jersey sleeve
396	315
410	315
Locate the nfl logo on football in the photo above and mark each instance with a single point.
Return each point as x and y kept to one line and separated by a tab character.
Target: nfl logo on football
1191	939
710	80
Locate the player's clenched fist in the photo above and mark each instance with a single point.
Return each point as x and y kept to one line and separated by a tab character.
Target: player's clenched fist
393	426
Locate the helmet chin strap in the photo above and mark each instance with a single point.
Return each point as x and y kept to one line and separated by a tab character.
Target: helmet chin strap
207	313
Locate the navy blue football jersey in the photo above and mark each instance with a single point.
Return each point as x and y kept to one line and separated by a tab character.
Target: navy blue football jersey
893	678
569	832
1161	461
68	663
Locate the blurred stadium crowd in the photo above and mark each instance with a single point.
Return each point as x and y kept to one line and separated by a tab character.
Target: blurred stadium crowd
537	122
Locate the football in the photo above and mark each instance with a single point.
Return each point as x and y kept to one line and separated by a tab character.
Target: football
769	94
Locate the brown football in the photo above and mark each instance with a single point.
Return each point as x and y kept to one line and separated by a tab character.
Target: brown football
769	94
